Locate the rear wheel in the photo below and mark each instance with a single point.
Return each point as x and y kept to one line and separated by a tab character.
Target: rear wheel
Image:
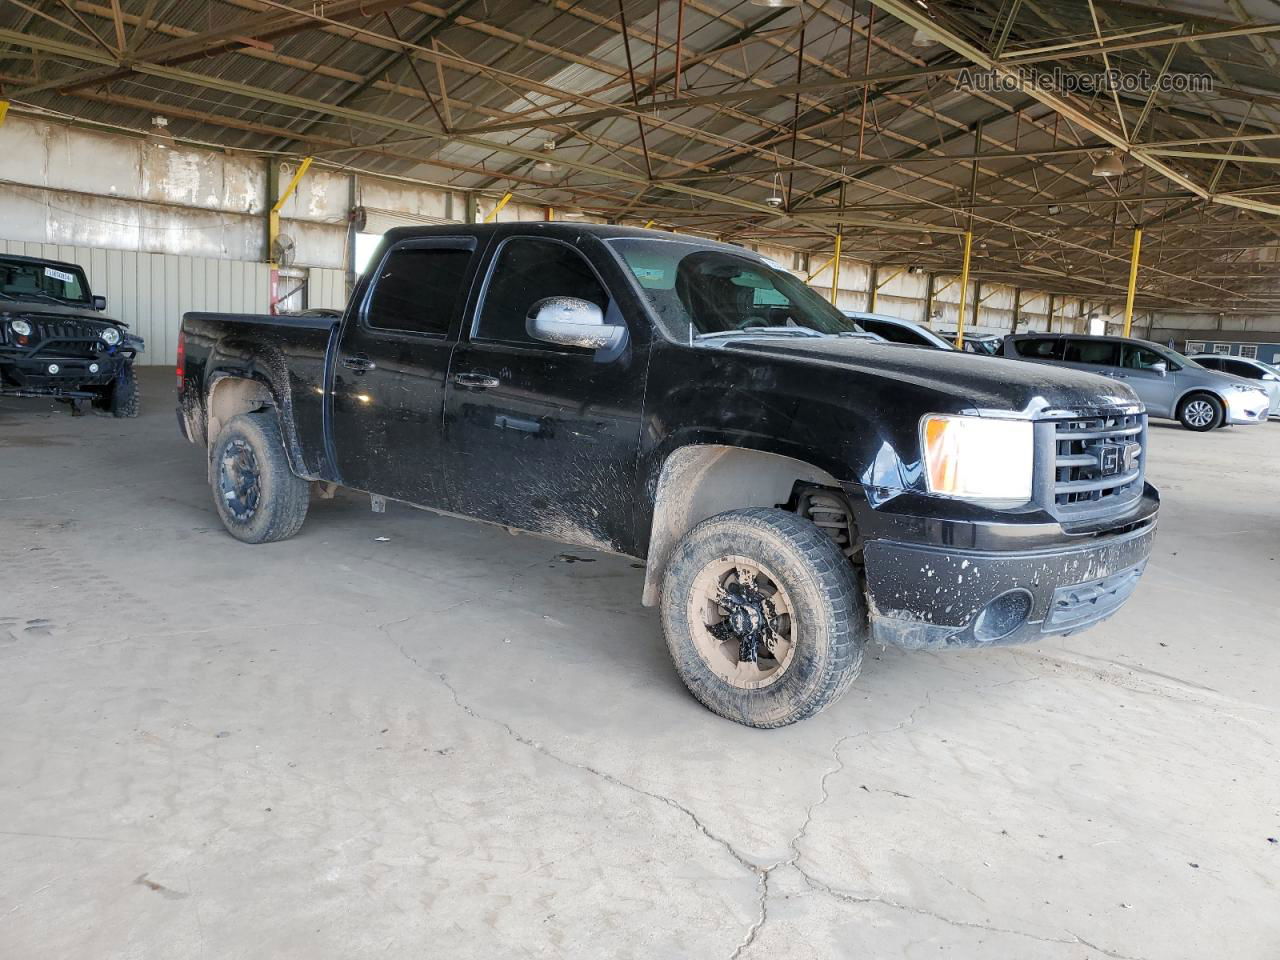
258	496
763	616
1201	412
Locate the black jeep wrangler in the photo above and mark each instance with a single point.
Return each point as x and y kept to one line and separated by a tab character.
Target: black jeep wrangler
55	343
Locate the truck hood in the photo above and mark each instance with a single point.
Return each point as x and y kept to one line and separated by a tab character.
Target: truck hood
62	311
992	386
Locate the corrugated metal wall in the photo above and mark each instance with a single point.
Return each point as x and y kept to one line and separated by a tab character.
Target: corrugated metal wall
151	291
326	288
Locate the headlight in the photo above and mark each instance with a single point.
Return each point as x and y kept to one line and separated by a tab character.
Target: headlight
20	327
110	336
977	458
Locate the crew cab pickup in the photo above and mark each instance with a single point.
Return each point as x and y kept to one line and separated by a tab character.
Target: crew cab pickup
794	487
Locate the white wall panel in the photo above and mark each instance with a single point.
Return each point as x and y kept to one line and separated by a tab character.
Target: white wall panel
326	288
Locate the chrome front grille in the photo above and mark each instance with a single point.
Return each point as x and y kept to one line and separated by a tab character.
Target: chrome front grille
1098	460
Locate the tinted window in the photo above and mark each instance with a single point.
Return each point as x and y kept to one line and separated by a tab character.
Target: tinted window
1098	352
1246	370
893	332
1039	349
1140	358
695	289
417	290
1211	363
528	271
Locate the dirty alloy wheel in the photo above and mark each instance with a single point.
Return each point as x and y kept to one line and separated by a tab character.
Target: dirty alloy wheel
256	494
1201	412
763	616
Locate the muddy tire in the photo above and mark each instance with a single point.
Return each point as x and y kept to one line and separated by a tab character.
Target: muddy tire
258	497
1201	412
123	398
744	568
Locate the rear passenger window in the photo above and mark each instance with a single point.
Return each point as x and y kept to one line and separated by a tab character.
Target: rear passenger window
527	271
1039	349
1098	352
1246	370
418	289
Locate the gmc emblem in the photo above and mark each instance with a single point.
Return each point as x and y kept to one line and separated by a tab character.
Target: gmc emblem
1109	460
1116	458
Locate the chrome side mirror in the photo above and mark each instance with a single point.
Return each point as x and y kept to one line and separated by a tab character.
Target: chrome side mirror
570	322
1160	367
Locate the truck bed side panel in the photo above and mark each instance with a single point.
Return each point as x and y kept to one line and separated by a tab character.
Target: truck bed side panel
286	354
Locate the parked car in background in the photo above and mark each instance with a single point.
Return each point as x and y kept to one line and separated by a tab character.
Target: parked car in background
55	342
896	330
983	344
1171	385
1264	375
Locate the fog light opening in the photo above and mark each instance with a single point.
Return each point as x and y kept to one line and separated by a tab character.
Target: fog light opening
1002	616
54	368
93	368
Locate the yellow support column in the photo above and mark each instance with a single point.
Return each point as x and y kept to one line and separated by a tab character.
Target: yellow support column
964	288
1133	278
4	110
273	217
493	214
835	267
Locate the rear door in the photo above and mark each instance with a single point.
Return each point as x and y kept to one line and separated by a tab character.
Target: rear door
1093	356
392	361
542	437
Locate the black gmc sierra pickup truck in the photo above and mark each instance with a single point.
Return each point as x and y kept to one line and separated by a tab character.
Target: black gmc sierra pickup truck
794	487
54	341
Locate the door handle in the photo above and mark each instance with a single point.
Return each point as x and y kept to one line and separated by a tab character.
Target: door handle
478	380
359	363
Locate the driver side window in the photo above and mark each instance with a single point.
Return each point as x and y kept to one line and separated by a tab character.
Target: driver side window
528	270
1139	358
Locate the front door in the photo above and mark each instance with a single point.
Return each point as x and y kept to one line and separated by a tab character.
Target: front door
540	437
393	357
1155	388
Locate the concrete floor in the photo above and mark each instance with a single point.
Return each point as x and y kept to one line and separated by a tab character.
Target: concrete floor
456	743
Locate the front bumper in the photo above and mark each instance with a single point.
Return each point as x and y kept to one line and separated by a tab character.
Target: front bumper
1251	407
27	376
927	596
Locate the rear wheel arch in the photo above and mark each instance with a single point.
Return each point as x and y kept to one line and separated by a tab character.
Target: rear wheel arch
701	480
231	395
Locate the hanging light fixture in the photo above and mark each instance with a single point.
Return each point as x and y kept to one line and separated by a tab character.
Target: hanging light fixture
545	164
1109	165
776	199
775	3
922	39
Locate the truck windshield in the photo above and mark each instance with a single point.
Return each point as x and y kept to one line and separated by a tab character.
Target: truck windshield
23	280
697	290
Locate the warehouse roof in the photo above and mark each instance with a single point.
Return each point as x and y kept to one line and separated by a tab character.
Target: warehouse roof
899	123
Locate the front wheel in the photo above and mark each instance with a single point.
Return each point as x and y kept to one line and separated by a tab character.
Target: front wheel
258	497
1201	412
120	397
763	616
